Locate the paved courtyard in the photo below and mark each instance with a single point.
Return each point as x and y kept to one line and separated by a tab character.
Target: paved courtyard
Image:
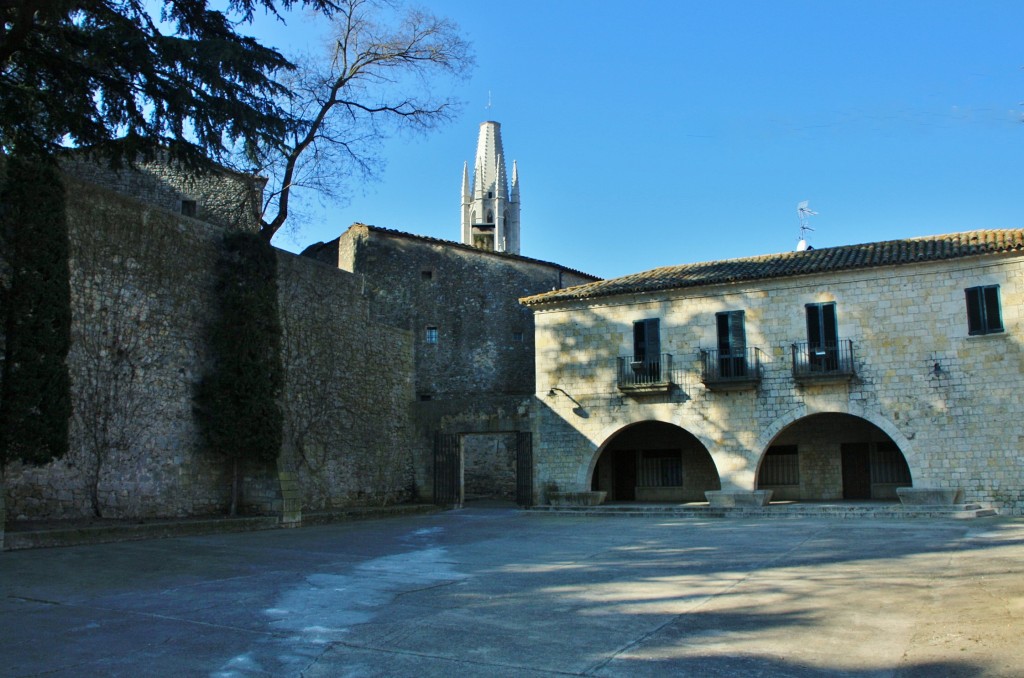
498	592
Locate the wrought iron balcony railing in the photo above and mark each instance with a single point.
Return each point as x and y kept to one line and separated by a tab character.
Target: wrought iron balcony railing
816	363
645	373
730	370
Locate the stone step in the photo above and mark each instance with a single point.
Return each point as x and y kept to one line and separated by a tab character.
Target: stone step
794	510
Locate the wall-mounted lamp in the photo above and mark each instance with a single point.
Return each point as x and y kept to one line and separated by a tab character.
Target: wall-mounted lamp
579	410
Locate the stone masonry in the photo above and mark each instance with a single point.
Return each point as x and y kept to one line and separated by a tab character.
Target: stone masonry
949	401
473	341
142	299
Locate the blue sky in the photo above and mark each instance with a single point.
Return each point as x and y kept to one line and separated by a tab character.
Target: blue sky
658	133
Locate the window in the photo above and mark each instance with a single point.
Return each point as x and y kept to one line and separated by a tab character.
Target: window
732	344
647	348
888	464
781	466
188	208
660	468
646	340
517	336
983	316
430	336
426	275
822	337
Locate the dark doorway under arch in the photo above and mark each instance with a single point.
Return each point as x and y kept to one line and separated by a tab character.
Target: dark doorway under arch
654	462
828	457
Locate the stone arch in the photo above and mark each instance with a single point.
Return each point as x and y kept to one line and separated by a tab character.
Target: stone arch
905	444
652	460
833	453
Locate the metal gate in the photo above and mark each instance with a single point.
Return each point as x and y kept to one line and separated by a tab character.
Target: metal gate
447	470
524	469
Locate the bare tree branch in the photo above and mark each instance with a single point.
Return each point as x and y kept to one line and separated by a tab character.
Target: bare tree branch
379	79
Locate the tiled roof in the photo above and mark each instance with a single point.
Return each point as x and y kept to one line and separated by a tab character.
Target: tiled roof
788	264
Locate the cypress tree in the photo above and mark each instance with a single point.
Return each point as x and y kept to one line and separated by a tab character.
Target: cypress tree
237	400
35	400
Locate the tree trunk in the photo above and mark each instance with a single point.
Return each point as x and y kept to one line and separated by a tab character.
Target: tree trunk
235	487
94	489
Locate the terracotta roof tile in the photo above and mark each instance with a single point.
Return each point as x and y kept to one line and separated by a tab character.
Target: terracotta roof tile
788	264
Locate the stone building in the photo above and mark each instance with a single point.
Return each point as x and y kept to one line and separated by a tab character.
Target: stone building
472	342
412	370
866	371
403	350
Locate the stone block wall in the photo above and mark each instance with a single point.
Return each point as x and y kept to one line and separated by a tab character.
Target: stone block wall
948	400
484	337
474	377
142	282
142	292
222	197
484	422
489	463
348	391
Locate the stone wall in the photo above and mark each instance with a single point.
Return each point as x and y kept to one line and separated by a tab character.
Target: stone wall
348	391
494	418
220	196
474	371
489	466
484	337
949	401
142	290
142	283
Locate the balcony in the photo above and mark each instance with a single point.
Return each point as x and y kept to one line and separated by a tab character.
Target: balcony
645	375
822	364
730	371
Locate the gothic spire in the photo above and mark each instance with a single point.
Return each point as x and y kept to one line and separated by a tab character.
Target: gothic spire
490	214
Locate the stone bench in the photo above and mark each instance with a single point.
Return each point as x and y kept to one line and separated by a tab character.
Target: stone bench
576	498
927	496
733	498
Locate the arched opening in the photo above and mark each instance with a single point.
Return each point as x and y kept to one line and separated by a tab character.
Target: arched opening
827	457
654	462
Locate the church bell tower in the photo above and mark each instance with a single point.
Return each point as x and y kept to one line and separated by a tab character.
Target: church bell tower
490	212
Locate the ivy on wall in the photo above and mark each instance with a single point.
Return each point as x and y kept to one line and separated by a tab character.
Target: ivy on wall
237	400
35	400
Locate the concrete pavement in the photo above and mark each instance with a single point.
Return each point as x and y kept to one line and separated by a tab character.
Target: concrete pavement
500	592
